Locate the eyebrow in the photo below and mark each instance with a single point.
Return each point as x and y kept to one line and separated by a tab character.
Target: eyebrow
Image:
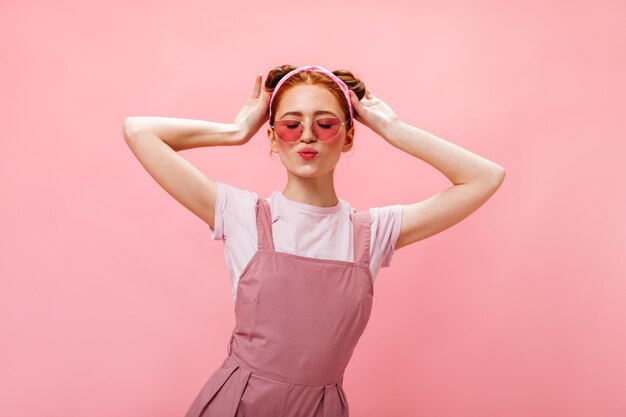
297	113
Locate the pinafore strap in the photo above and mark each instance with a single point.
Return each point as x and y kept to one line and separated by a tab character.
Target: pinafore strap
361	232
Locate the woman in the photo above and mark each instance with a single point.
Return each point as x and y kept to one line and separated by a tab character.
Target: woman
302	262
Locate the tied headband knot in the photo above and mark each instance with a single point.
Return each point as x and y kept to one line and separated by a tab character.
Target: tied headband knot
341	84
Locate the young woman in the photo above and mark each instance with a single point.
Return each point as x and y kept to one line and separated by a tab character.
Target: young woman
302	262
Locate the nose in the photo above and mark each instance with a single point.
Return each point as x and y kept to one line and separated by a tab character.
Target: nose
307	133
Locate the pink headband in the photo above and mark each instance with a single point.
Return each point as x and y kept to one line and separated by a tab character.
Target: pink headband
342	85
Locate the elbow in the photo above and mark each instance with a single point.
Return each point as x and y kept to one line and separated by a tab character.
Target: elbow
129	128
497	178
501	173
490	178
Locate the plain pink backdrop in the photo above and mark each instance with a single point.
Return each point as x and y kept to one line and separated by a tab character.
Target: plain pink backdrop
114	301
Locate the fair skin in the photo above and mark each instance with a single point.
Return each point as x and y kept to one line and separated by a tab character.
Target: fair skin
155	141
310	181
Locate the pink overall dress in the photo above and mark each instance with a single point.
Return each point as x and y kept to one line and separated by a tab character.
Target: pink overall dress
298	320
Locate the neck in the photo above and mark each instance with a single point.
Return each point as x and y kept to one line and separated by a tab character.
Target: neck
318	191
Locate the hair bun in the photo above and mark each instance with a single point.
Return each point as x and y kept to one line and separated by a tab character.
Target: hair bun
275	75
353	83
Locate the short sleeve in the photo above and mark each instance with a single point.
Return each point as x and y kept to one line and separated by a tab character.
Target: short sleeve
232	207
386	223
217	232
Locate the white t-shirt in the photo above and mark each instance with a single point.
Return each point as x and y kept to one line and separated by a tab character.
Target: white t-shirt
298	228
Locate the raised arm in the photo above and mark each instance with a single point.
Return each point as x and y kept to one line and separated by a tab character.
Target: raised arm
475	179
155	141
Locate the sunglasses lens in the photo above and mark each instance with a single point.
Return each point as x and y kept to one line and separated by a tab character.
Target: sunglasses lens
288	130
326	128
291	130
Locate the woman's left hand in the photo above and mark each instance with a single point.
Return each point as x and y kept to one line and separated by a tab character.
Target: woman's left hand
372	111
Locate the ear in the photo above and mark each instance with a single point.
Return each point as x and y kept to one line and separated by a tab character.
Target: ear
347	144
272	140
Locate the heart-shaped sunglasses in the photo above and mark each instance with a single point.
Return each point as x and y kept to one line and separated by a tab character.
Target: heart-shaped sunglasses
290	130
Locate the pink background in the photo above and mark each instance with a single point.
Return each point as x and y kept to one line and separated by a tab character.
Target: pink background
114	301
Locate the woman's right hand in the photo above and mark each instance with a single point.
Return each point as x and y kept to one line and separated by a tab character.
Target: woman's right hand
255	113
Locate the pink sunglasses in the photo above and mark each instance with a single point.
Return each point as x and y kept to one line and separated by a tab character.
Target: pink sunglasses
291	130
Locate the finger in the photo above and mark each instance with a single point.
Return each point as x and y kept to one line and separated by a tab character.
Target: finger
354	98
368	93
265	94
257	85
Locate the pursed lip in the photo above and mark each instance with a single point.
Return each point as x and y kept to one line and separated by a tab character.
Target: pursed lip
307	150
